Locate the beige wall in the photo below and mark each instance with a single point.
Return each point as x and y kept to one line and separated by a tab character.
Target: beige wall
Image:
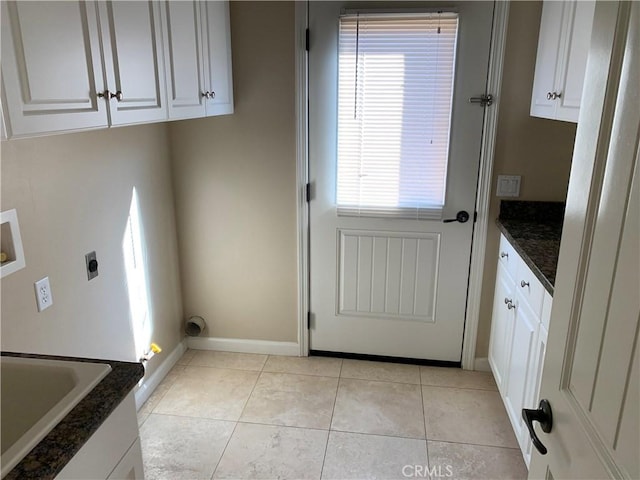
235	187
540	150
73	193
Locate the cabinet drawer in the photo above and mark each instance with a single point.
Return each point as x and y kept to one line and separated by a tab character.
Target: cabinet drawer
508	257
529	287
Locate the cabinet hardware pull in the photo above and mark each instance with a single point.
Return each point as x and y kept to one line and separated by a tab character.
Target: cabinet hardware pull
206	94
105	94
553	95
213	94
507	301
118	95
524	284
510	305
504	254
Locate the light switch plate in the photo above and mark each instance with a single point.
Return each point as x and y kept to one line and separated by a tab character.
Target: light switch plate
508	186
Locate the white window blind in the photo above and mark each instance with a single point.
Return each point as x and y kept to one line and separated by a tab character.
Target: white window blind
395	94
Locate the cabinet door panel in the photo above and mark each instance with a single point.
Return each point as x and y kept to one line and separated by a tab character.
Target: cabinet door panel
51	66
218	51
185	63
547	60
520	365
501	327
578	38
132	39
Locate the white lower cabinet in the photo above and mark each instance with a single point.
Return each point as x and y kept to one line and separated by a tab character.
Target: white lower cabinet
519	325
113	452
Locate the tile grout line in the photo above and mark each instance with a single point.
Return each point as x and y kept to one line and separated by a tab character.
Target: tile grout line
335	399
236	425
424	422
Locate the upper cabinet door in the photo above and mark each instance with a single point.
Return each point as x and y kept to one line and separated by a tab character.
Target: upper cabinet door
134	61
218	52
547	60
185	63
576	41
563	46
51	67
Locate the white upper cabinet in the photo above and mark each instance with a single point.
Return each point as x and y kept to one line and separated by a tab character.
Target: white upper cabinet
134	61
563	46
51	67
198	58
57	78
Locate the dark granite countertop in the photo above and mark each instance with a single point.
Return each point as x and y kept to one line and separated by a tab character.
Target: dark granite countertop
534	229
55	450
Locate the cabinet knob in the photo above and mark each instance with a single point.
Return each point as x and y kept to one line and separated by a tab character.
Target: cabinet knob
213	94
524	284
504	254
553	95
509	303
118	95
206	94
105	94
549	96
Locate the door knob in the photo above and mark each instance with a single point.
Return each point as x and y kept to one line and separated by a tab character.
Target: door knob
462	217
119	96
544	417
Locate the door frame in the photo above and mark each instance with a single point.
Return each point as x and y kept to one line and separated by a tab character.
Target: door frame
483	195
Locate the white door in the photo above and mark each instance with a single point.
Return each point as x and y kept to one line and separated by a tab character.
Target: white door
51	67
134	61
592	365
387	285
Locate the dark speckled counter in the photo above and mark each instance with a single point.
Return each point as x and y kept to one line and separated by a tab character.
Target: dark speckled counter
55	450
534	229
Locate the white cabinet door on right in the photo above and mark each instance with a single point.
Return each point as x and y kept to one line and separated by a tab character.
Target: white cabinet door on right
501	327
51	67
576	40
134	61
185	62
217	50
521	365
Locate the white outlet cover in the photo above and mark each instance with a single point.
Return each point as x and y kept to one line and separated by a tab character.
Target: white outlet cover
508	186
44	298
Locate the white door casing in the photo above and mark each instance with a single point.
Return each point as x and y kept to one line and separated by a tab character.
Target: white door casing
592	366
419	297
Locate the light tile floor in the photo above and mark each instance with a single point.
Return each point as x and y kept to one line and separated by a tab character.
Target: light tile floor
220	415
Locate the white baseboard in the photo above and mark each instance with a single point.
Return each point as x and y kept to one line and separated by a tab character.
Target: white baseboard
481	364
240	345
149	384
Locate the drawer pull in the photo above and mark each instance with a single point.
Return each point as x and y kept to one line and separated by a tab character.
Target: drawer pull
524	284
504	254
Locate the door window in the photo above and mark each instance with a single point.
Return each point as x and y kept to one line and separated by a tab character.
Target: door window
395	95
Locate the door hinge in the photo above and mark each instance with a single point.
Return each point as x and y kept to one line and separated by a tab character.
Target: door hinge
475	217
308	320
483	100
306	40
307	192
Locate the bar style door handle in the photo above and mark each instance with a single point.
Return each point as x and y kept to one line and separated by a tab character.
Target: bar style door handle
542	415
462	217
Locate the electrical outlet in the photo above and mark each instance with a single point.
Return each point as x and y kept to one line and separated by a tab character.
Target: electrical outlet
44	299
